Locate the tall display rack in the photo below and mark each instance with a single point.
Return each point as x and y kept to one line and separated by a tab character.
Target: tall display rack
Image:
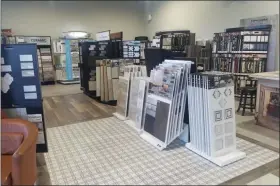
241	51
21	95
90	52
66	54
83	56
44	53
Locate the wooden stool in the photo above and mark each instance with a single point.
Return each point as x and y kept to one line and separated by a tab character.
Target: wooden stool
249	91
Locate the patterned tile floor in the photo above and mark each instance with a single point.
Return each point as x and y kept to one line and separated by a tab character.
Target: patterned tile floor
107	151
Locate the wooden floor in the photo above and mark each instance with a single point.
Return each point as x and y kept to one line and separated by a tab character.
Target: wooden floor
69	109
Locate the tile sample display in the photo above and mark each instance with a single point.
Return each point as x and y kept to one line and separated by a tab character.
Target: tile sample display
165	103
212	117
131	49
127	73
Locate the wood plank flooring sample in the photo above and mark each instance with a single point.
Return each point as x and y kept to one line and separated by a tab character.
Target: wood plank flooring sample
115	83
98	81
102	83
110	86
105	80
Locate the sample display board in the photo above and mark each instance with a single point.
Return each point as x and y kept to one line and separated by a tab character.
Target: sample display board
212	117
127	73
138	89
131	49
66	52
44	53
21	95
165	103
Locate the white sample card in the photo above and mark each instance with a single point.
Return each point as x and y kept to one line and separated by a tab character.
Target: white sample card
6	82
6	68
2	61
41	138
35	118
27	73
29	88
30	95
26	57
26	66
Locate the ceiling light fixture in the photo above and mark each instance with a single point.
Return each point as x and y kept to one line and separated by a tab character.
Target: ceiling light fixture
76	35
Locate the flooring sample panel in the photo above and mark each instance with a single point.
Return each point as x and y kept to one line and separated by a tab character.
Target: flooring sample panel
156	118
108	152
122	106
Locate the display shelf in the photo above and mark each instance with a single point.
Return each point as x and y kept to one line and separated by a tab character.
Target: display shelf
175	40
241	51
67	58
44	54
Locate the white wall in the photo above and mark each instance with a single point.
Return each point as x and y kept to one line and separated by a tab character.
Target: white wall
51	18
204	17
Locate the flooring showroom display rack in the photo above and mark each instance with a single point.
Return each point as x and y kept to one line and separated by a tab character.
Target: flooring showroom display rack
212	117
44	54
92	55
241	51
21	95
66	57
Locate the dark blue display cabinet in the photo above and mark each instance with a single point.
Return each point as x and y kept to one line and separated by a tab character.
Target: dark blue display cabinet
21	95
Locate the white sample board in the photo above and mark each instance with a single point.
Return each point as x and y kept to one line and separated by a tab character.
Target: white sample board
212	117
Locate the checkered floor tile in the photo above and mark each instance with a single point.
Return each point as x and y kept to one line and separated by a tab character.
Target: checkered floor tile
107	151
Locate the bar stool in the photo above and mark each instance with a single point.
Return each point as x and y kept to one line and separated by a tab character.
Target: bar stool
249	91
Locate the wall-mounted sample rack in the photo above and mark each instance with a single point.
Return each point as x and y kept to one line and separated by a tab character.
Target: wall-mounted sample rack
202	52
21	95
241	51
45	57
175	40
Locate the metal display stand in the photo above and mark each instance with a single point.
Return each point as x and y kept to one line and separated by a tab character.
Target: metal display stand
45	56
21	95
212	117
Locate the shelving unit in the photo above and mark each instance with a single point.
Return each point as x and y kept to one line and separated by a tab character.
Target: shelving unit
66	54
44	54
241	51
